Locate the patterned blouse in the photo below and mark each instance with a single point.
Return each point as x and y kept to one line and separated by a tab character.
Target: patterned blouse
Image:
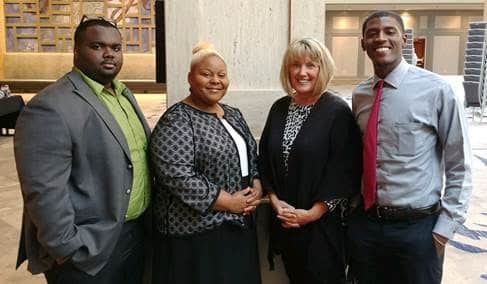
193	158
296	116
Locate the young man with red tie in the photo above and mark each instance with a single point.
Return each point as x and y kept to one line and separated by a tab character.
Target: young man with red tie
414	134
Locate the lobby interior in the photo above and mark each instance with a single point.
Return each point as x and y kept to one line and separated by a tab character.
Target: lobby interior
36	49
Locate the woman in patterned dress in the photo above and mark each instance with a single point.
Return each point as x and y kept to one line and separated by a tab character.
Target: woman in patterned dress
310	165
204	158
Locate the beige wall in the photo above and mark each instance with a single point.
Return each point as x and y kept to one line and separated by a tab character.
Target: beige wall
440	65
439	28
300	25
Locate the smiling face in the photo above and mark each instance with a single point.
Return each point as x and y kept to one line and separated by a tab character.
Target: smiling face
98	54
208	80
383	40
303	75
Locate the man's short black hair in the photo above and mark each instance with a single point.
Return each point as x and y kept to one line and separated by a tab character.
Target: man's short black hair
91	22
382	14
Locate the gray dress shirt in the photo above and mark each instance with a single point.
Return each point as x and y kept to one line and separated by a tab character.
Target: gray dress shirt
422	139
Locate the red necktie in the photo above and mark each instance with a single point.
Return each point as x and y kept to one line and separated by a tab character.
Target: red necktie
370	151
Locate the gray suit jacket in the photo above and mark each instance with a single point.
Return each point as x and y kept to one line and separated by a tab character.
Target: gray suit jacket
75	173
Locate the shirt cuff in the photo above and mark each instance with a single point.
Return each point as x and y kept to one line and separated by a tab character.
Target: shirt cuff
445	226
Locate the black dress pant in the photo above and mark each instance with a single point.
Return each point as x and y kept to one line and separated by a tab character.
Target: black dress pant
309	256
393	252
125	265
298	274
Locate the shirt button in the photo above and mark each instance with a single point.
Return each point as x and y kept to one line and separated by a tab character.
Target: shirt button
128	191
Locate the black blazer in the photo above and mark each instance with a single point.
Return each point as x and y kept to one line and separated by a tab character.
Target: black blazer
324	164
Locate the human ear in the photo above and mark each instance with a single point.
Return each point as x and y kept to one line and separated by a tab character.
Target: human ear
404	40
189	77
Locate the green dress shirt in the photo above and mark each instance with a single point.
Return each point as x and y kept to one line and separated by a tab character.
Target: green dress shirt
123	112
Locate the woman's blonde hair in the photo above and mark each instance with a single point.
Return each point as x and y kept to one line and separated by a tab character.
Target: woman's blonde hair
318	53
201	51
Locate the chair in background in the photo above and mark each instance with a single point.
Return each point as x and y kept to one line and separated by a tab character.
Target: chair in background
10	109
475	69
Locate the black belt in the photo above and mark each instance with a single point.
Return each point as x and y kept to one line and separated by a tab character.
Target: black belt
391	213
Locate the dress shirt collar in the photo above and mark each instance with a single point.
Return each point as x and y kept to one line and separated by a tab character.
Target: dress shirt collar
394	78
98	88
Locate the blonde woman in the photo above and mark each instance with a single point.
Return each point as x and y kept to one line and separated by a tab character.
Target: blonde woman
310	165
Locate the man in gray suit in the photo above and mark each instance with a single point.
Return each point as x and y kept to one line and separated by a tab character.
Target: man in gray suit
80	149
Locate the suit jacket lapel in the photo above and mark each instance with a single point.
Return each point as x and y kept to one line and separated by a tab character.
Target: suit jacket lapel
85	92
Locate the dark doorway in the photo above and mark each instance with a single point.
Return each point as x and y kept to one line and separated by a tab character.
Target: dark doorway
160	43
419	48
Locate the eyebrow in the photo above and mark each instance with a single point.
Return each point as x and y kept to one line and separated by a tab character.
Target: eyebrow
213	71
104	43
384	28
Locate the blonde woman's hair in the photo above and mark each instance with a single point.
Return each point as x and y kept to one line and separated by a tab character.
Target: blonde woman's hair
318	53
201	51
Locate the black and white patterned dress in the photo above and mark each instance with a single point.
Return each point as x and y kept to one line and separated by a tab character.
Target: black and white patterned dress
194	157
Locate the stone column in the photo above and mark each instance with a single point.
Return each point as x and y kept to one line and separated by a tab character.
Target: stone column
182	22
307	19
252	36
